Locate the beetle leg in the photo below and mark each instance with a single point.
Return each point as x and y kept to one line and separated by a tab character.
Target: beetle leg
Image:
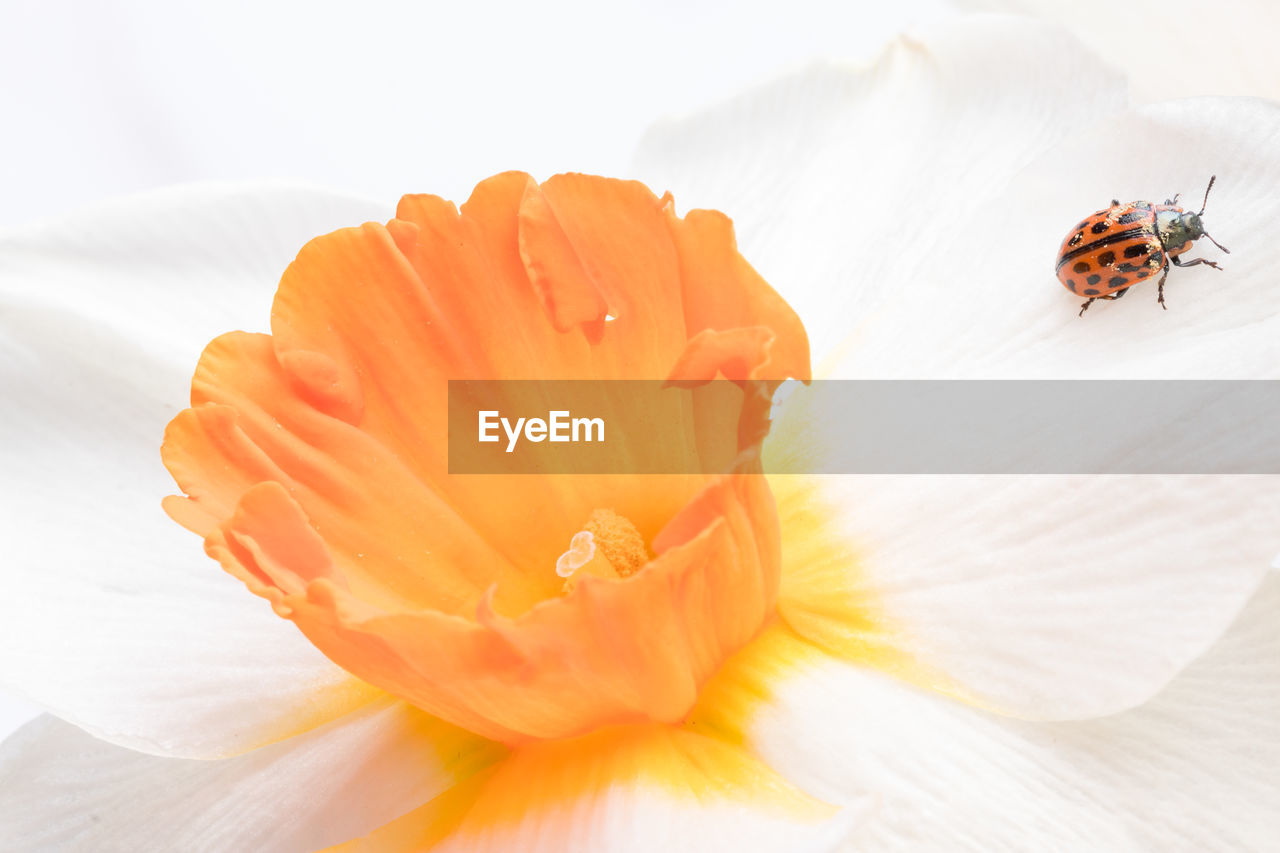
1178	262
1109	297
1160	289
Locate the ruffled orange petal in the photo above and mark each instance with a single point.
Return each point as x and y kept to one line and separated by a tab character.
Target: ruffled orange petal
724	293
610	651
314	459
395	540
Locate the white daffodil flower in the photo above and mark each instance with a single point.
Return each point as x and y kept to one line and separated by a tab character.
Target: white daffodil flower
972	663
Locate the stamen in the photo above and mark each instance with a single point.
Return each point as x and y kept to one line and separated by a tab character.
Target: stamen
608	546
618	540
582	548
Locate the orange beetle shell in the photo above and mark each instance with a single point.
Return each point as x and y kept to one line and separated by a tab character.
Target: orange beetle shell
1114	249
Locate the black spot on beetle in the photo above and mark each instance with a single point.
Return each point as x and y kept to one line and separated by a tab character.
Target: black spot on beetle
1080	266
1156	261
1075	241
1136	251
1094	279
1127	267
1071	285
1082	225
1131	217
1091	292
1099	227
1143	274
1117	281
1107	258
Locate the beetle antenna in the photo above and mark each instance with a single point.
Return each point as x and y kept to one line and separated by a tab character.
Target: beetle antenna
1212	178
1216	243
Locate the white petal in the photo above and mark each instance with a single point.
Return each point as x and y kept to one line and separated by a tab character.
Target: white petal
1172	48
1088	593
112	616
1192	770
970	318
173	268
847	184
66	791
1045	598
912	211
642	789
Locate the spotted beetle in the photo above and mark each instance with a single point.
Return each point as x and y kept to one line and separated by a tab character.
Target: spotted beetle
1114	249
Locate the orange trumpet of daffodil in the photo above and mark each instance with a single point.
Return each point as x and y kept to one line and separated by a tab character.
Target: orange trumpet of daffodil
314	458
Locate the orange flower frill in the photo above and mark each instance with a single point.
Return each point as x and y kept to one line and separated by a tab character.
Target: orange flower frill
314	459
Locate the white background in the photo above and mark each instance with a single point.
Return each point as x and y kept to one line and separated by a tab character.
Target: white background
100	99
376	98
